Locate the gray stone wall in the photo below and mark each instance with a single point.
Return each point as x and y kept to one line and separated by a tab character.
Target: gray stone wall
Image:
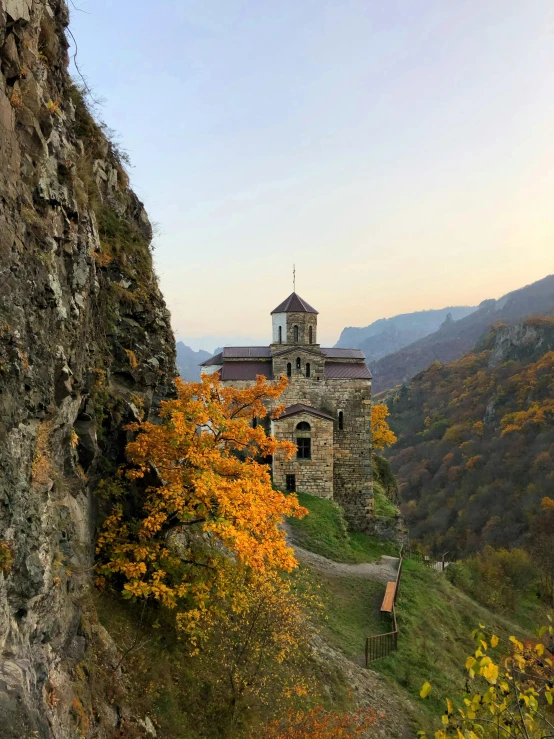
313	357
315	475
352	452
303	321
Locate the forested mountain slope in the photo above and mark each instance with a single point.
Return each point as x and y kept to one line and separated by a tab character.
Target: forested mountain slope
390	334
476	441
454	339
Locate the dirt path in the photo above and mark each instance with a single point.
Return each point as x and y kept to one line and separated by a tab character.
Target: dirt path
383	571
368	688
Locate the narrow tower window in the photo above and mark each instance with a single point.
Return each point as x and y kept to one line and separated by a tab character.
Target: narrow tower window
341	420
311	335
280	334
307	369
255	422
289	369
303	440
298	364
295	334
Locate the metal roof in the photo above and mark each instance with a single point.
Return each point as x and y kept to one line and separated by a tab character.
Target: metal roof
246	352
343	371
246	370
294	304
216	359
301	408
343	353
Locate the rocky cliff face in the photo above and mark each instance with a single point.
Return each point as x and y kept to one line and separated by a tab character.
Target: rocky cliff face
85	347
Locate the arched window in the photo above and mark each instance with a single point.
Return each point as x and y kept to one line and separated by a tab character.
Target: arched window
307	369
280	334
303	440
311	335
289	369
295	331
298	364
255	422
341	420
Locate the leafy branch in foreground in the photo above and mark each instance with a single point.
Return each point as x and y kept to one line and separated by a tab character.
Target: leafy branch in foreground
506	697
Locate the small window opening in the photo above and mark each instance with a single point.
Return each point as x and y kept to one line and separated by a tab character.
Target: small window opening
289	369
303	440
311	335
307	369
298	364
255	422
296	334
280	334
341	420
291	483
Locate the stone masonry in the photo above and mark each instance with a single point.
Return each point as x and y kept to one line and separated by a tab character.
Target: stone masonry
330	390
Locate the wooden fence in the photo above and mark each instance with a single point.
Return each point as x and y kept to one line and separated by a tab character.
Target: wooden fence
382	645
439	565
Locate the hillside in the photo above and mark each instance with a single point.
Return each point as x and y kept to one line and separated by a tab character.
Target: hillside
435	618
454	339
387	335
188	361
476	441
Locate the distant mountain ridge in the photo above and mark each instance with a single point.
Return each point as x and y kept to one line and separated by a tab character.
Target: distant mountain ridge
453	339
387	335
188	361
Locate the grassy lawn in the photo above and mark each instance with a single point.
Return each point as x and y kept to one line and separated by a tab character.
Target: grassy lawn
351	611
324	531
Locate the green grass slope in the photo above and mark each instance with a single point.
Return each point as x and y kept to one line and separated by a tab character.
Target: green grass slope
324	531
435	618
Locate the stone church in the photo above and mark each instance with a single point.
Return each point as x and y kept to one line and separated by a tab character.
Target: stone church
328	408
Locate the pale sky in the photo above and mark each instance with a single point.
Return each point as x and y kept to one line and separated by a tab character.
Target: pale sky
399	152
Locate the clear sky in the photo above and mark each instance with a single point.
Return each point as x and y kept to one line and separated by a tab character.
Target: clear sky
399	152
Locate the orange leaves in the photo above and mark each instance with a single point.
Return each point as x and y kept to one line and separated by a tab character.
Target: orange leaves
381	433
213	507
318	723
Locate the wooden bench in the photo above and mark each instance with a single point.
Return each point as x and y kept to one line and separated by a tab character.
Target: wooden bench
388	600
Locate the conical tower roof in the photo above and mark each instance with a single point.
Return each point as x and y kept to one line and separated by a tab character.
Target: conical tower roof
294	304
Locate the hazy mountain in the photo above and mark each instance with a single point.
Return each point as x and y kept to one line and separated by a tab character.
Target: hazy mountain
387	335
455	338
188	361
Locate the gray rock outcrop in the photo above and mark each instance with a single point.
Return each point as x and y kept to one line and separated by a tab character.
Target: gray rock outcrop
85	347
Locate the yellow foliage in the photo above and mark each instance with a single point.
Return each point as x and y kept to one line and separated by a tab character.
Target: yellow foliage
213	510
381	433
43	467
132	357
509	696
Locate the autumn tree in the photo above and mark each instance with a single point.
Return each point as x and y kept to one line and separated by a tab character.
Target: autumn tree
509	690
208	505
541	546
382	435
258	650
